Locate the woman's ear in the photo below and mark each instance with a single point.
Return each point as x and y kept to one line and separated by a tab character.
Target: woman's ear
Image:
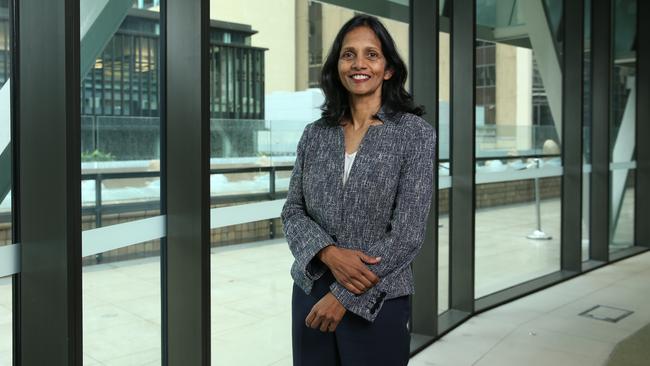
388	74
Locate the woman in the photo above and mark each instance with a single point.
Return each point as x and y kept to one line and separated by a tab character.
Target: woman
357	205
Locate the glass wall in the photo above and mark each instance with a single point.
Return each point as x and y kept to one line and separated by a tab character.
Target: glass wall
622	128
120	150
276	67
6	176
518	139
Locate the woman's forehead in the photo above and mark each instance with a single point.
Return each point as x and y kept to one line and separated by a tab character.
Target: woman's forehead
361	36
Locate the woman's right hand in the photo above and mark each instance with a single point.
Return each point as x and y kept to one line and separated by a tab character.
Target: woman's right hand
349	268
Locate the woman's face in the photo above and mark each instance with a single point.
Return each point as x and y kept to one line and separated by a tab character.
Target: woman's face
362	66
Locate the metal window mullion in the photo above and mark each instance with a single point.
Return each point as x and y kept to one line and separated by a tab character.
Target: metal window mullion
599	208
462	130
261	87
213	84
424	79
247	84
572	99
103	85
92	75
132	73
642	173
238	82
149	76
50	183
122	40
187	255
113	41
140	107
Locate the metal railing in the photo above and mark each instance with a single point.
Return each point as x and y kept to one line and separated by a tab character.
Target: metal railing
100	208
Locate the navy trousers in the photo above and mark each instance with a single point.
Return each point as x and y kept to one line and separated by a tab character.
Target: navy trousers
356	341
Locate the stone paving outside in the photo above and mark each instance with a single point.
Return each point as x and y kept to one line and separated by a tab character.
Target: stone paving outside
251	291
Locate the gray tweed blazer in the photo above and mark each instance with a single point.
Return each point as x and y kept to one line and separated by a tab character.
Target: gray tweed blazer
382	209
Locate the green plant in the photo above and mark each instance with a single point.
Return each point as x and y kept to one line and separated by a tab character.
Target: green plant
96	155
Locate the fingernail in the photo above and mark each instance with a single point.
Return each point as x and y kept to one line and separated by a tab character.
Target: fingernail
378	258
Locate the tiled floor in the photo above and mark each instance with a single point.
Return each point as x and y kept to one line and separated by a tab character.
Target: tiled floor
545	328
251	293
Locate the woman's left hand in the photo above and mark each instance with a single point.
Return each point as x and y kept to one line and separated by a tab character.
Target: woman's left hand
326	314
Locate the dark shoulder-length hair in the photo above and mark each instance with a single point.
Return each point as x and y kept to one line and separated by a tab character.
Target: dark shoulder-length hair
393	94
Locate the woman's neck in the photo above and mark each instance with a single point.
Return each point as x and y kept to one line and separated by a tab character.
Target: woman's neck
362	109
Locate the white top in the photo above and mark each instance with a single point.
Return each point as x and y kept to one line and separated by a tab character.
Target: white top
349	159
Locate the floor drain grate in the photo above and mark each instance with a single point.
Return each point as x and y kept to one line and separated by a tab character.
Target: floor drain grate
606	313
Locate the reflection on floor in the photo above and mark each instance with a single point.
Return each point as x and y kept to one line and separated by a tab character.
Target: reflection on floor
251	293
546	328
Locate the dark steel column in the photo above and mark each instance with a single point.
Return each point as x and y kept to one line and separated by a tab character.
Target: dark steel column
49	183
572	100
601	46
188	192
162	102
424	85
642	199
461	230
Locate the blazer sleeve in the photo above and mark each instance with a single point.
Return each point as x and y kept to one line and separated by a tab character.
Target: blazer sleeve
304	236
408	225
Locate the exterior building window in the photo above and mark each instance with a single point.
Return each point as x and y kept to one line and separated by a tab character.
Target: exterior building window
121	91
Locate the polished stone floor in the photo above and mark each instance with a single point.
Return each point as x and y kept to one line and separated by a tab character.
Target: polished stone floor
251	291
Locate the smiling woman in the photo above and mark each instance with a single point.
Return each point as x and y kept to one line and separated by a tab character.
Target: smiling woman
353	239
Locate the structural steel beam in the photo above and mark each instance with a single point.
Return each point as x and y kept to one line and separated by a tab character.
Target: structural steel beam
186	260
601	46
572	85
49	183
462	197
424	61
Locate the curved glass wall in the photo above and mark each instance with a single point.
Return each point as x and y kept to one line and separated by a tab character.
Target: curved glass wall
518	139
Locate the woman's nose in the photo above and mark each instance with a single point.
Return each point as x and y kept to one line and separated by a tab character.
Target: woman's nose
358	63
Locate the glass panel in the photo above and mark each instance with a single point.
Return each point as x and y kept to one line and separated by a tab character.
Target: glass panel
264	89
623	129
623	234
5	127
6	176
518	134
120	151
444	166
6	334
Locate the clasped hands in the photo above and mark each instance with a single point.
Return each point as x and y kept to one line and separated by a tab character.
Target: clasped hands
349	268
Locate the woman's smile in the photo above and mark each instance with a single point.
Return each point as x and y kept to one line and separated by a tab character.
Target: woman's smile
360	78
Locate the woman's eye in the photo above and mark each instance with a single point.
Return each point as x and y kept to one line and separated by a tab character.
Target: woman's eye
347	54
373	55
